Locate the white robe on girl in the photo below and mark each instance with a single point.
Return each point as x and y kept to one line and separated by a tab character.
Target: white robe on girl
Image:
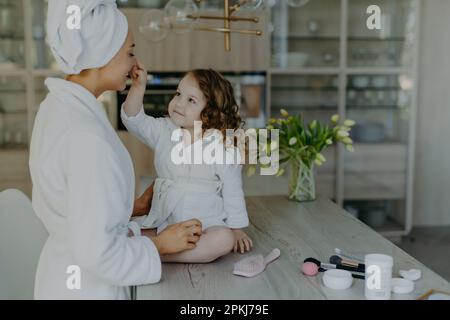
83	191
211	193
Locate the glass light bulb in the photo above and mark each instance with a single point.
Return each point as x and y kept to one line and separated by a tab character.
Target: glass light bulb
297	3
153	25
250	4
181	15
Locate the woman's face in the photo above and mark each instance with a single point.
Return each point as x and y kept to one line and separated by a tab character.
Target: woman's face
187	103
114	74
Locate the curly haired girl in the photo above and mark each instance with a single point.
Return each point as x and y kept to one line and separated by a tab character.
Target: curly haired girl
210	191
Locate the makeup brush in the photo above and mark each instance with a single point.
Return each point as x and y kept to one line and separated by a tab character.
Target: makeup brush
338	260
311	269
344	254
308	268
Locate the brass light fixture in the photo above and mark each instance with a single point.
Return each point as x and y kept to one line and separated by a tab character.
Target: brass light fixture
181	16
228	18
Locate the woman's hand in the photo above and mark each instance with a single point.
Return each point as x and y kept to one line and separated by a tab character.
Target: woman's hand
243	242
139	76
178	237
143	204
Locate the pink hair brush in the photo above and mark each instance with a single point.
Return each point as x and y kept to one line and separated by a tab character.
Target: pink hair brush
255	264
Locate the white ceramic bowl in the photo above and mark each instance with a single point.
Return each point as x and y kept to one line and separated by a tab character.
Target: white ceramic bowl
360	81
297	59
402	286
337	279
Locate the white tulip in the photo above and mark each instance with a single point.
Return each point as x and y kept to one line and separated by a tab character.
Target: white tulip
342	133
280	172
349	123
350	148
347	140
320	157
284	113
345	128
292	141
335	118
251	171
274	145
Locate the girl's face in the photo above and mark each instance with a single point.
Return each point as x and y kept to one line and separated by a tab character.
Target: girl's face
187	103
114	74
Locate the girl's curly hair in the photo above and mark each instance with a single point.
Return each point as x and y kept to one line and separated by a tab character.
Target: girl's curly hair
221	111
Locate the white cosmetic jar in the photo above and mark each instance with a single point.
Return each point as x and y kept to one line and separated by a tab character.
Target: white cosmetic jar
337	279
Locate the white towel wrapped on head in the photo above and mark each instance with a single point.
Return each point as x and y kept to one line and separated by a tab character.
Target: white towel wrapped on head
103	30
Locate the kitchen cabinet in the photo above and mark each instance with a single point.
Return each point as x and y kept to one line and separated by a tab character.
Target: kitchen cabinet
326	61
14	98
320	59
12	37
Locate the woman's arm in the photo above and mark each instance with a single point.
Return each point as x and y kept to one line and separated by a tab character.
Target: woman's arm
98	211
143	204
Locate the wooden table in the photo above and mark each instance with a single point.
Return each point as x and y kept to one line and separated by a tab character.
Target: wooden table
299	230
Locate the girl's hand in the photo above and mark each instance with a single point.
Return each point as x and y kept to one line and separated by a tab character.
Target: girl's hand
139	76
243	242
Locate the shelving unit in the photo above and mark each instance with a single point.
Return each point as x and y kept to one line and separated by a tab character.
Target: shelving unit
338	48
377	178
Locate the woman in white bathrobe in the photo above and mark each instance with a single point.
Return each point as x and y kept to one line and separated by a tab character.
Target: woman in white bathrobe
83	179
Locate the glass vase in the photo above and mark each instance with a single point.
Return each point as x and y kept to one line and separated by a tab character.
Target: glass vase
301	182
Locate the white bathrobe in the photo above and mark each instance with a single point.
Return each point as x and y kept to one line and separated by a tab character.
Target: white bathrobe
211	193
83	191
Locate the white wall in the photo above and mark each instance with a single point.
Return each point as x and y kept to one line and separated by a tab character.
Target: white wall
432	168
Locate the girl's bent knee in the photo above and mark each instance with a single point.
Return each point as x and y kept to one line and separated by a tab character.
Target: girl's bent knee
226	240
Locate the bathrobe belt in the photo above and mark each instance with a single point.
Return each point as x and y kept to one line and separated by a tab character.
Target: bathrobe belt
167	193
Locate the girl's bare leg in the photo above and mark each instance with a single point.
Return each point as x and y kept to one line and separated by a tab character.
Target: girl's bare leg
214	243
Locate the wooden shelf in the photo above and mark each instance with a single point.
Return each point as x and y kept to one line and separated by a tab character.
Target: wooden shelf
369	39
294	88
391	229
395	88
47	73
337	38
306	38
372	107
337	71
305	108
306	71
13	38
13	72
377	70
21	149
367	189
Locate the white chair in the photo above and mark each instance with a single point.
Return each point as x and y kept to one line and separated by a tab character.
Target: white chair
22	236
